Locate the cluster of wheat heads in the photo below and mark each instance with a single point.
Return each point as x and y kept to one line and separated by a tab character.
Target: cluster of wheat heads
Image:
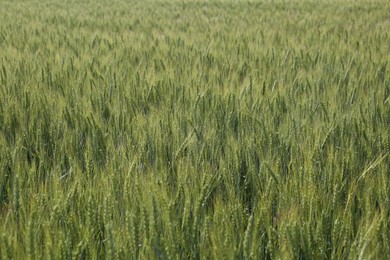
194	129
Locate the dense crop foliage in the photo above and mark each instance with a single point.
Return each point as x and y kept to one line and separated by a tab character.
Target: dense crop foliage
195	129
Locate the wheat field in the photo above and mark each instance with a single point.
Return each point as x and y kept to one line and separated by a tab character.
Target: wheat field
221	129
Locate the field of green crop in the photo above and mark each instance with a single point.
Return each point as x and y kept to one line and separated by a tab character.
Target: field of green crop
195	129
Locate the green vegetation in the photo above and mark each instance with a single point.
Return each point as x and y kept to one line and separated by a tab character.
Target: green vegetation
195	129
